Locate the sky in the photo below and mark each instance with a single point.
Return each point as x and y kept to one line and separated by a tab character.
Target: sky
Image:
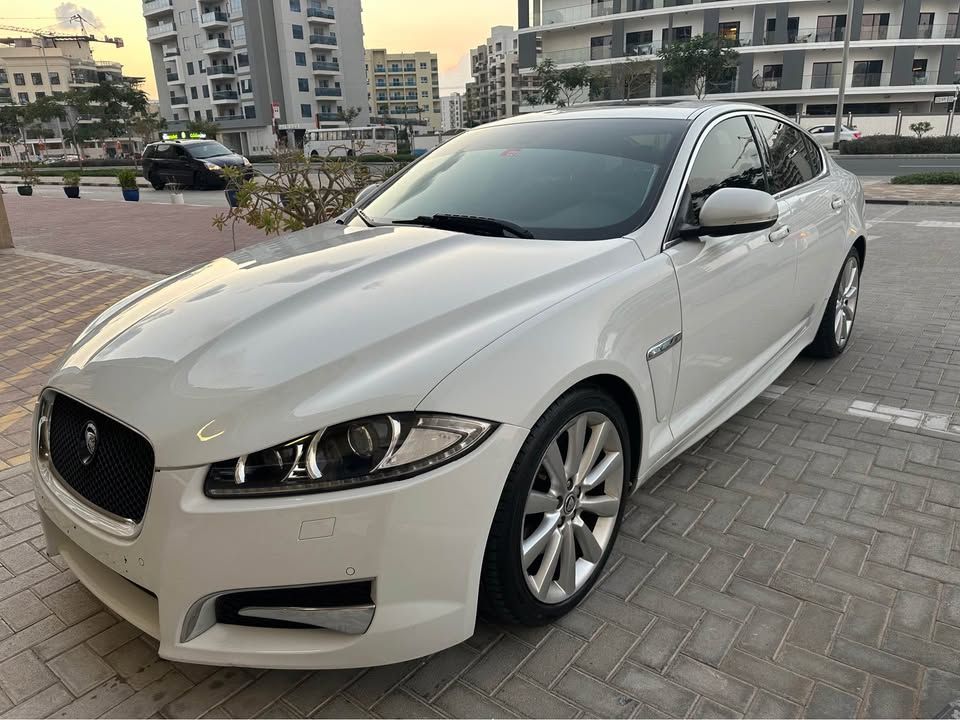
449	28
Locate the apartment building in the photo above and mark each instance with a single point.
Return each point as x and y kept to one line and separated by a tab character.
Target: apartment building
451	112
265	71
498	89
903	53
30	70
404	88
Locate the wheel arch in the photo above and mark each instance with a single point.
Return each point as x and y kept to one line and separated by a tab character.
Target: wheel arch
860	244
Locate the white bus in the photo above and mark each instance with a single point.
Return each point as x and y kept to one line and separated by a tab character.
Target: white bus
373	140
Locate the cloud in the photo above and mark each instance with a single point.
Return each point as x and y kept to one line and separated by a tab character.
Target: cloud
66	10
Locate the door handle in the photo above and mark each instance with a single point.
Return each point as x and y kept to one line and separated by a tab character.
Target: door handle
779	234
837	203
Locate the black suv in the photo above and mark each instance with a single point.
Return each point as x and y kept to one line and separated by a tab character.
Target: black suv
190	164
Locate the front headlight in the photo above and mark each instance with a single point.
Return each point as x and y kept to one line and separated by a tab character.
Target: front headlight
353	454
247	162
212	166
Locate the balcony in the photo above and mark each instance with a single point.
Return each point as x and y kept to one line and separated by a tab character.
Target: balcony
3	78
174	79
217	45
179	101
163	31
328	117
6	97
225	96
320	14
220	71
215	19
323	42
323	67
156	8
170	51
328	92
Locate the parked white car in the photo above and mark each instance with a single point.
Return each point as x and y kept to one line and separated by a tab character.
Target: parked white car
325	450
824	134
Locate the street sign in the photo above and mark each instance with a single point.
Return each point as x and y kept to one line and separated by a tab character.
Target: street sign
941	99
182	135
276	110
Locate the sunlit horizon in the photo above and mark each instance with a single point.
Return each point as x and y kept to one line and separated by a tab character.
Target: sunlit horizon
450	29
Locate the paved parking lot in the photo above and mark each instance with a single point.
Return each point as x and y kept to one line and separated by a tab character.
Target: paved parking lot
803	561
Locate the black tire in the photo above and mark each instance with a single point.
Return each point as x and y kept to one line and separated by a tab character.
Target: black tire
504	593
156	182
314	155
825	344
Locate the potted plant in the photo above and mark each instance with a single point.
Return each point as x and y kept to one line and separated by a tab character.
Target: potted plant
28	178
176	193
71	184
127	179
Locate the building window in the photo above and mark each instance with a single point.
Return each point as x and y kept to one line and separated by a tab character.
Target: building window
298	32
925	25
830	28
867	73
249	112
423	66
294	5
40	94
639	43
825	75
243	60
193	93
36	78
424	93
54	78
196	114
193	15
600	47
919	71
197	42
182	17
200	66
189	68
300	58
303	85
951	25
209	114
306	111
677	34
18	79
772	77
24	98
206	91
424	79
874	26
238	33
729	33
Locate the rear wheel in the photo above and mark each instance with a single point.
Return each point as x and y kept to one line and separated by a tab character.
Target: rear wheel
560	511
836	326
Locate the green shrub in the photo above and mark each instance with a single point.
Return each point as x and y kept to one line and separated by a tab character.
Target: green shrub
900	145
71	179
127	179
928	178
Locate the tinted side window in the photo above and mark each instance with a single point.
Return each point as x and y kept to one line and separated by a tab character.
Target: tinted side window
790	162
148	152
813	152
728	157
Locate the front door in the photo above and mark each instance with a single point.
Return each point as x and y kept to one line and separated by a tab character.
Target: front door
737	293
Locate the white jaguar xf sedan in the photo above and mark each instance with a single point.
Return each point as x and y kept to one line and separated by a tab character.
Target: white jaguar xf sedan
335	449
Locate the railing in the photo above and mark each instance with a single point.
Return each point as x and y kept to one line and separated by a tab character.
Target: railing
324	13
226	95
216	17
329	116
178	100
326	65
172	77
221	70
170	50
327	92
161	29
157	6
323	39
218	44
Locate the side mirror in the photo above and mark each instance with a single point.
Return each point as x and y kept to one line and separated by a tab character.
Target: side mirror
366	193
730	211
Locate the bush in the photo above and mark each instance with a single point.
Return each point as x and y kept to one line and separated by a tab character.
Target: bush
900	145
127	179
28	174
71	179
928	178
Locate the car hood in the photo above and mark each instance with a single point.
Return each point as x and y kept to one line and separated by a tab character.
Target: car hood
225	160
322	326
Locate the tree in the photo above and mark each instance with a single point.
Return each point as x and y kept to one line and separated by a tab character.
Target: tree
635	75
920	128
697	62
206	127
42	110
348	115
148	126
12	126
77	108
560	87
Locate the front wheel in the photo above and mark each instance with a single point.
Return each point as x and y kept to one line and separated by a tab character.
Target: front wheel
836	326
157	183
560	511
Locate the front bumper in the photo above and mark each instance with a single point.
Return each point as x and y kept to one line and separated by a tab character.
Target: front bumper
421	541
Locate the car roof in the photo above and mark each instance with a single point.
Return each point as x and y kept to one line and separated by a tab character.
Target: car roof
647	108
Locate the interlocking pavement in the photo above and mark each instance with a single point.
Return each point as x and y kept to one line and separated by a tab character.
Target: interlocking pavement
803	561
885	193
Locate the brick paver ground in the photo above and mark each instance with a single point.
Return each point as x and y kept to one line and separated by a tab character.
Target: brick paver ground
918	194
802	561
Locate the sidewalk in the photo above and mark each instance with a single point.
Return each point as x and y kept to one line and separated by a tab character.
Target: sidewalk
880	193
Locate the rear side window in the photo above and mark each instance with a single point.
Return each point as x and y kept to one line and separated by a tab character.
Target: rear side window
728	157
793	158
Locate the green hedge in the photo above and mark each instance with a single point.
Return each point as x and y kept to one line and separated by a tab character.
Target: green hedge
900	145
928	178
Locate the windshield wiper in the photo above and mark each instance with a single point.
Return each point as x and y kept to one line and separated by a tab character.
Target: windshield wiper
470	224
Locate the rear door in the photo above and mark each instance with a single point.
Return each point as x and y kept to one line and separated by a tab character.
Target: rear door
737	293
181	166
799	175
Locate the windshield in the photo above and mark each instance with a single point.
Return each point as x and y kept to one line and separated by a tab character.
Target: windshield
208	150
559	179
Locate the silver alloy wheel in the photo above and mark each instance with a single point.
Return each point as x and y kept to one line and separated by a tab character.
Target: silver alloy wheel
572	507
846	308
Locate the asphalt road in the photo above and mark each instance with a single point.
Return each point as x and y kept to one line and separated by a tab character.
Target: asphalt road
886	167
